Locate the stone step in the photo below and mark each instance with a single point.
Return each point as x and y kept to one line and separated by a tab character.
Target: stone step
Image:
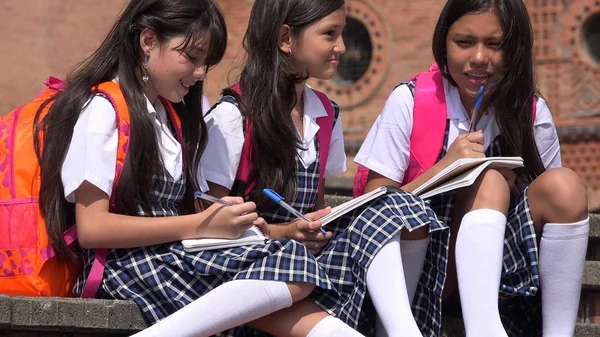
591	275
453	327
594	227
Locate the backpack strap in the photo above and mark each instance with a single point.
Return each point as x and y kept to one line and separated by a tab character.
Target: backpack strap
245	165
326	124
428	130
113	93
429	124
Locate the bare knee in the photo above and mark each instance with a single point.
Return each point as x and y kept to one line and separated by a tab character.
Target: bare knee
417	234
490	190
558	195
299	291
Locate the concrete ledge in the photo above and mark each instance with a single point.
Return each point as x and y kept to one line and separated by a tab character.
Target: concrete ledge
69	315
594	227
591	275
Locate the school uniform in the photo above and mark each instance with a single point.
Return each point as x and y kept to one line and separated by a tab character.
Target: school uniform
358	235
386	151
164	278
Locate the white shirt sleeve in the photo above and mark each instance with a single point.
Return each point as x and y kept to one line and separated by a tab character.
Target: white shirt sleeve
221	158
336	159
386	150
546	136
92	154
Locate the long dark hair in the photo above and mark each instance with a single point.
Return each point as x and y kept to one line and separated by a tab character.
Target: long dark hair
514	91
120	55
268	81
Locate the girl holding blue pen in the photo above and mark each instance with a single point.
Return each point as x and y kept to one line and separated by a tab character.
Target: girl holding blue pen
284	136
514	233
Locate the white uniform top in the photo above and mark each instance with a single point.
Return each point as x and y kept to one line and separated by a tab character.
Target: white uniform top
386	150
221	157
92	154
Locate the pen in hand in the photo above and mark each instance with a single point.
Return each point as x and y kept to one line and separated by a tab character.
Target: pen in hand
279	200
212	199
478	101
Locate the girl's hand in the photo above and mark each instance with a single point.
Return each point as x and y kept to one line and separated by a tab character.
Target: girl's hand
263	226
468	145
227	222
304	231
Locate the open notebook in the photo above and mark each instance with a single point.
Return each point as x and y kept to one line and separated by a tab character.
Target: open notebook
350	205
251	237
255	236
462	173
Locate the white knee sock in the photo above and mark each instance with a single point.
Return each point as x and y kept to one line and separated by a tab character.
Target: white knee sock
332	327
229	305
479	250
386	285
562	256
413	258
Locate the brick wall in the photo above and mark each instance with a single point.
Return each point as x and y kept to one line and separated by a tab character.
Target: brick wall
42	38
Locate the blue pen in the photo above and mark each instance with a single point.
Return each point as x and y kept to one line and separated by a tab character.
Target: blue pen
210	198
478	101
279	200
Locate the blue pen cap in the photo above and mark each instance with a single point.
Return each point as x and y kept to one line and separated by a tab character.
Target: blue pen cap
272	195
479	98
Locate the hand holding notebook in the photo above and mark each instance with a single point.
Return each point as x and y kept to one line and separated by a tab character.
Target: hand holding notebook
463	172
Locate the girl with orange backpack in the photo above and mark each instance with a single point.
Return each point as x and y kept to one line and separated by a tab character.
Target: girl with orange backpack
282	135
140	94
521	232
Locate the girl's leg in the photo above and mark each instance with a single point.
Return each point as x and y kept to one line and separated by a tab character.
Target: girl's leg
304	318
387	282
479	252
558	199
229	305
387	287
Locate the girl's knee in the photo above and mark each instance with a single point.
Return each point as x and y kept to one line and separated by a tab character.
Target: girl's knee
562	195
300	291
417	234
490	190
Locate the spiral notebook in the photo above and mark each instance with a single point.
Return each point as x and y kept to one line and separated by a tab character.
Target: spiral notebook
251	237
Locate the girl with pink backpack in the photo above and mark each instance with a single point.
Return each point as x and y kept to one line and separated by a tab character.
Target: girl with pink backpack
515	234
283	135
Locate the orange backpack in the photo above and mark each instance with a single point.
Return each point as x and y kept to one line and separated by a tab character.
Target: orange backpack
28	266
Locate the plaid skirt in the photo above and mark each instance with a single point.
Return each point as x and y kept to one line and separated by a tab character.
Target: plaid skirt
358	237
162	279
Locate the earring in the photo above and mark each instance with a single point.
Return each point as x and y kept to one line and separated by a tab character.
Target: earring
290	52
145	77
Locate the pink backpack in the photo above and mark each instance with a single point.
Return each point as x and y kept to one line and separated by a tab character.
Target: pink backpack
325	123
428	131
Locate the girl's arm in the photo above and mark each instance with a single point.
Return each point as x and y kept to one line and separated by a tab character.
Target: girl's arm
386	150
468	145
98	228
299	230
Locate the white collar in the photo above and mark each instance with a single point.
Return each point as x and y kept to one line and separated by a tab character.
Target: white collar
313	107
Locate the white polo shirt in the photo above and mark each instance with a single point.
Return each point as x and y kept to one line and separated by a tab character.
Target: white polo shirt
92	154
221	158
386	150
